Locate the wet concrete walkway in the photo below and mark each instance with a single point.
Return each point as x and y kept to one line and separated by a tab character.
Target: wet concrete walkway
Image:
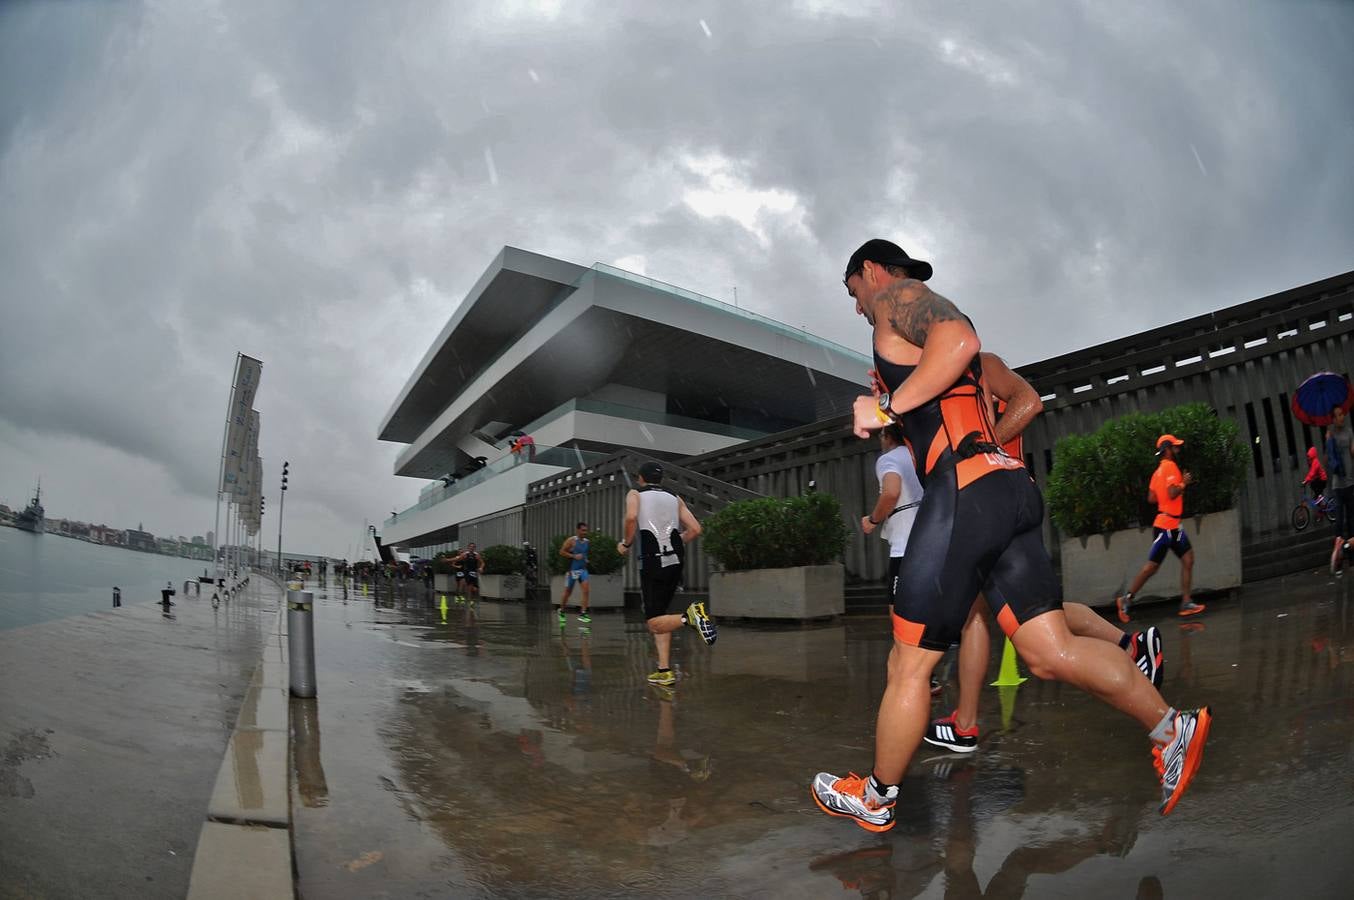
112	729
485	752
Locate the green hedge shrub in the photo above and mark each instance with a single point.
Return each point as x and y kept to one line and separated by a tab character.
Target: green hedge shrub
602	556
1099	481
775	533
503	559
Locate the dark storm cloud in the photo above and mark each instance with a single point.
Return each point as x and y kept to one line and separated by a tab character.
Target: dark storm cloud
319	184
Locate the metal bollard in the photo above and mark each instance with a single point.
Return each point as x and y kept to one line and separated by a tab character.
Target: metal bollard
117	597
301	641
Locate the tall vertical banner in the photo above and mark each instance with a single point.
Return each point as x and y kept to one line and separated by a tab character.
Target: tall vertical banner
255	494
248	370
243	468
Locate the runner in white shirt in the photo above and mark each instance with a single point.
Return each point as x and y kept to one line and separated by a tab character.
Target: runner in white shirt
899	496
663	526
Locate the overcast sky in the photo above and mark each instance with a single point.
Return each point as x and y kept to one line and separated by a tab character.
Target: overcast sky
318	184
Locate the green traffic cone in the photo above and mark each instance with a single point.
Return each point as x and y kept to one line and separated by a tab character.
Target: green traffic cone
1010	674
1008	696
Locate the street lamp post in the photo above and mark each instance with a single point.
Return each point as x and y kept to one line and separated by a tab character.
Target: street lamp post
258	541
281	505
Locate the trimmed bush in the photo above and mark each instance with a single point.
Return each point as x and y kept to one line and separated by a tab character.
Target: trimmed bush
1099	481
602	556
503	559
776	533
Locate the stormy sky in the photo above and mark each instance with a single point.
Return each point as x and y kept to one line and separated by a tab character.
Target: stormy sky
318	184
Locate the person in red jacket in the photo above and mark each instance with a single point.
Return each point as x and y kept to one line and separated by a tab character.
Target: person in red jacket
1316	473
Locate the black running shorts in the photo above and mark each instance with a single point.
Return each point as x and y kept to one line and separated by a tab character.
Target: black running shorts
985	538
1173	540
657	586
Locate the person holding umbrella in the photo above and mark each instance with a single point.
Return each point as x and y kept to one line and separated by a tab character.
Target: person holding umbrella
1340	468
1325	400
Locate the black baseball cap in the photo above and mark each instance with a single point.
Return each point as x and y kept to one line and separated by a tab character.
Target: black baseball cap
887	253
651	472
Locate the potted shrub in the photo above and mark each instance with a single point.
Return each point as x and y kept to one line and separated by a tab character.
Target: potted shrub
502	578
1097	498
605	578
778	558
444	574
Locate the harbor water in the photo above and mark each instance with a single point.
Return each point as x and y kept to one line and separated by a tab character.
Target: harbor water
46	576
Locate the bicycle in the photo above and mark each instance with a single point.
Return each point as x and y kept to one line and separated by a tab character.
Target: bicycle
1323	506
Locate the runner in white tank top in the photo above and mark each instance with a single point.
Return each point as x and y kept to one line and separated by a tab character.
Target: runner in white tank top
664	526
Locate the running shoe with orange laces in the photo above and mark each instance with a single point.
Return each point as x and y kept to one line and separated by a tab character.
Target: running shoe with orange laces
1178	759
853	798
1121	606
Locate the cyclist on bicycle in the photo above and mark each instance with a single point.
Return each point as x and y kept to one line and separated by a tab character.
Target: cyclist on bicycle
1316	474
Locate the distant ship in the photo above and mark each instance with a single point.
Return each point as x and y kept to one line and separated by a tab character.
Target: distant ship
34	517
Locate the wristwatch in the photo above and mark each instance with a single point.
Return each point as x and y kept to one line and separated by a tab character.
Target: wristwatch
886	414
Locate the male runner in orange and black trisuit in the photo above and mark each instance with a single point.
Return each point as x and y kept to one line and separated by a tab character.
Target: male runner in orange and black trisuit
978	529
1016	403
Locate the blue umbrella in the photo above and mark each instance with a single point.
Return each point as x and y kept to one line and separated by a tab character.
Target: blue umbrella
1316	397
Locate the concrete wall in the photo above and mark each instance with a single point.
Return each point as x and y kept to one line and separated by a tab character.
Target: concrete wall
502	492
625	395
500	528
1094	569
803	592
604	591
590	426
503	587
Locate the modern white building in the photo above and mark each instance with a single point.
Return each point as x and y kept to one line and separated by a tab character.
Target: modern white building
587	361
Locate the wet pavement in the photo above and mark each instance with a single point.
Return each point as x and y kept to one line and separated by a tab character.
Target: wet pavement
112	729
482	751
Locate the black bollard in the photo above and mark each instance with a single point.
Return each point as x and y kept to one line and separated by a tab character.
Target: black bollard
167	592
117	597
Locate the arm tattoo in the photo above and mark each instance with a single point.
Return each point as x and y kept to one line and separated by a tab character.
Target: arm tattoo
913	308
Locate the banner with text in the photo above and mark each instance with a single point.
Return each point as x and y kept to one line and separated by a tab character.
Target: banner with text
256	492
247	373
244	468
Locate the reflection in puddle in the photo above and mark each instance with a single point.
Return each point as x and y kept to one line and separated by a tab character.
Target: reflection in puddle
540	761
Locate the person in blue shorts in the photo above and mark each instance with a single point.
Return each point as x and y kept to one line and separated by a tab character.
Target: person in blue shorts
575	549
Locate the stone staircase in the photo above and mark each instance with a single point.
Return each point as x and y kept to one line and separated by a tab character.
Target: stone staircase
1287	554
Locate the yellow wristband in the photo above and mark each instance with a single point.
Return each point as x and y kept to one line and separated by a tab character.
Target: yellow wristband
883	416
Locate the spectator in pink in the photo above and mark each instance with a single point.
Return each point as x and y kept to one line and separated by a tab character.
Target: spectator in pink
524	443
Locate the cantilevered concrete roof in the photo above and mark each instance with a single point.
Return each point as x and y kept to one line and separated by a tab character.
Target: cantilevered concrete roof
512	294
526	341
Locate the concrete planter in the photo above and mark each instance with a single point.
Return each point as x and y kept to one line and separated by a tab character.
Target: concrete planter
802	592
503	587
444	584
1095	567
607	591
